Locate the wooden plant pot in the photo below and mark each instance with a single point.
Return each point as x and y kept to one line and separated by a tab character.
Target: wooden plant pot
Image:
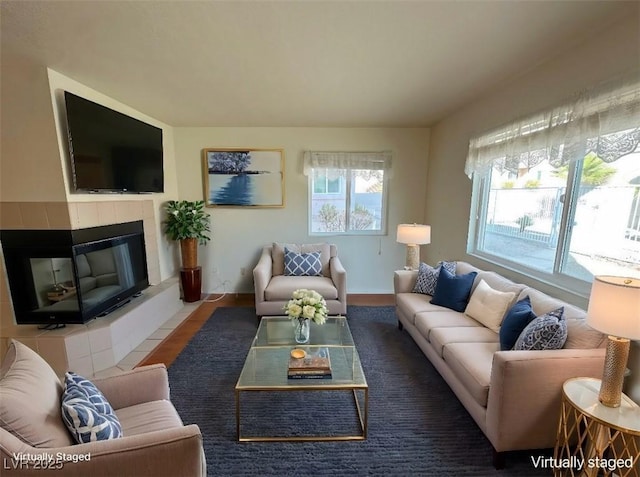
189	252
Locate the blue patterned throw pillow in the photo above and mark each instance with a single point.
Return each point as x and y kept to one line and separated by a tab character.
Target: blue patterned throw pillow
544	332
428	277
302	264
86	412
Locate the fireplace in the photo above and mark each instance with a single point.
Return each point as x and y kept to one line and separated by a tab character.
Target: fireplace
58	277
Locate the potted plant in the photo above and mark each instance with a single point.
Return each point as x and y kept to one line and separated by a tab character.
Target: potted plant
188	223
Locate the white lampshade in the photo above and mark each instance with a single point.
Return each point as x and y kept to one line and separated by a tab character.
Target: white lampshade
413	234
614	306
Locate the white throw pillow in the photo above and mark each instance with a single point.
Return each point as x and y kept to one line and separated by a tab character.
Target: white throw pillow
488	306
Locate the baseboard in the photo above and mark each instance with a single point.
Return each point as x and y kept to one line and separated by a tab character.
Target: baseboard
248	299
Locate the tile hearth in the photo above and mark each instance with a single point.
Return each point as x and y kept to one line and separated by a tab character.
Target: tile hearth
110	344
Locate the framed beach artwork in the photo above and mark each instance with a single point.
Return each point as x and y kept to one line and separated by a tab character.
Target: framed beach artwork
243	177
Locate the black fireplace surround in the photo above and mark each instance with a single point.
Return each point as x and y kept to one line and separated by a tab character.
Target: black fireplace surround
60	277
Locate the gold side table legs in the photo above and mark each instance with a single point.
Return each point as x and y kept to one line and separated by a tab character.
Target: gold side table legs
594	440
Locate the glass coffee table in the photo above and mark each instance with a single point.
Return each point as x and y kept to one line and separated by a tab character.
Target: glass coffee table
266	365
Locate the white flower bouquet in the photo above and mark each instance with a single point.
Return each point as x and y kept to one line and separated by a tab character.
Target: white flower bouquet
307	305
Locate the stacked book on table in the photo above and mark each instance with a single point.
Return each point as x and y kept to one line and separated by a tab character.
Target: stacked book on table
316	365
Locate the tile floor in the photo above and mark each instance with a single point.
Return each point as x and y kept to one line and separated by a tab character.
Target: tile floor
137	355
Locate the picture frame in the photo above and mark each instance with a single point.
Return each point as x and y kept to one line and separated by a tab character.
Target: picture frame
243	177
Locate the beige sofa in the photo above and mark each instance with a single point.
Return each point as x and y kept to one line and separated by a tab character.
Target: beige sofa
273	289
514	396
35	441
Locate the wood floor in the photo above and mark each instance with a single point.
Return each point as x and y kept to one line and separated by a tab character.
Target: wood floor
167	351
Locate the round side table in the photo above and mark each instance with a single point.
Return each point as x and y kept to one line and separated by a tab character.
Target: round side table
593	439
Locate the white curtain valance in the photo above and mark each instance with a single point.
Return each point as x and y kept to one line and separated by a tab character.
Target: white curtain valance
605	121
347	160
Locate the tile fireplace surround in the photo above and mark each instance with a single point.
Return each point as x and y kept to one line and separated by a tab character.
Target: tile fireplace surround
103	342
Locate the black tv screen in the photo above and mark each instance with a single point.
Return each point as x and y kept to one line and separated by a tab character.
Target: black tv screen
110	151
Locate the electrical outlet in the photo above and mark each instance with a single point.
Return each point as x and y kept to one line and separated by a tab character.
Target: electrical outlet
243	271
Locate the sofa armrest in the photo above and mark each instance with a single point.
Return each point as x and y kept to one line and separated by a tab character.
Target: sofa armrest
525	393
143	384
175	451
339	278
404	280
262	274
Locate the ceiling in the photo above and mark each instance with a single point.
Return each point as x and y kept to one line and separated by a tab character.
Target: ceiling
297	63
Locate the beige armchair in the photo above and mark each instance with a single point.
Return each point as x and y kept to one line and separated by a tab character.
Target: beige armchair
273	289
35	441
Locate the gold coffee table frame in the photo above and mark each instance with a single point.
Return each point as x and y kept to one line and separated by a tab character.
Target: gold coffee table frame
265	370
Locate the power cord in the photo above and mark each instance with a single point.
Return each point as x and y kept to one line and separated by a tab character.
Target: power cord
224	292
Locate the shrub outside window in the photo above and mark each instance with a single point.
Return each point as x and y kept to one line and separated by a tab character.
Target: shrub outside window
347	192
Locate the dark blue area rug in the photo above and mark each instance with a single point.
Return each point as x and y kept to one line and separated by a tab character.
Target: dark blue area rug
416	424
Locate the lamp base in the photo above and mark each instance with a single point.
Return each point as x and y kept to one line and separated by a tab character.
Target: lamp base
413	257
615	363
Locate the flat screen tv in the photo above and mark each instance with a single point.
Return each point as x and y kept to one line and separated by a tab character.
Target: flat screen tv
110	151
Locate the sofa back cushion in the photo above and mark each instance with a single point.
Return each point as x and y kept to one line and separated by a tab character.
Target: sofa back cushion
493	279
579	334
326	252
30	399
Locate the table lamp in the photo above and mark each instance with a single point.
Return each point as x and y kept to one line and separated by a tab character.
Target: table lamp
413	235
614	309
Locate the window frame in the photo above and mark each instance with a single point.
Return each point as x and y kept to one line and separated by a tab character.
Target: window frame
480	192
347	172
481	187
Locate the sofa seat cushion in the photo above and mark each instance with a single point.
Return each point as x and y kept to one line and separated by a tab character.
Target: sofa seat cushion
413	303
440	337
471	363
281	287
148	417
30	399
427	321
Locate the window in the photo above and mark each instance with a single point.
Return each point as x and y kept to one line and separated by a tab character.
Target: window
347	192
555	196
327	181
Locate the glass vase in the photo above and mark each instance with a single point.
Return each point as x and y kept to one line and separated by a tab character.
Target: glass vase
301	332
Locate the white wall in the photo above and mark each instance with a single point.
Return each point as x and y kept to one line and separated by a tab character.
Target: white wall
610	53
239	234
29	158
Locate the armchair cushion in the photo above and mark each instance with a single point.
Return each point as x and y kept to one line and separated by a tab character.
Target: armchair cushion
86	412
30	399
302	264
281	287
148	417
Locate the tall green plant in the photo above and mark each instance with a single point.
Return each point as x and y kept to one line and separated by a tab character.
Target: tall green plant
187	219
